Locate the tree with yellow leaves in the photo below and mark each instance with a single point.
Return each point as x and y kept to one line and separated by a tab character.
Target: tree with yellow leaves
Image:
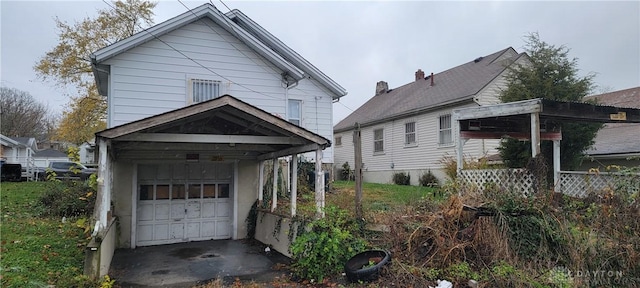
68	64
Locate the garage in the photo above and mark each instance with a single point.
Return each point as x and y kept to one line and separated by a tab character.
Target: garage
182	202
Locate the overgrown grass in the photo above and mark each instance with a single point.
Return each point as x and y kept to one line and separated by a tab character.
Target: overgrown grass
384	196
37	251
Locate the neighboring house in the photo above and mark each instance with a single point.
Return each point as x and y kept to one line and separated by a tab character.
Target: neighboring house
180	160
86	151
616	144
19	150
410	129
43	157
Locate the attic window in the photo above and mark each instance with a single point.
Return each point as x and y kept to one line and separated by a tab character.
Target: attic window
203	89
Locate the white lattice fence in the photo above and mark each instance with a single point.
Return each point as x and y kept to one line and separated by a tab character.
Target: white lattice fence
511	179
581	184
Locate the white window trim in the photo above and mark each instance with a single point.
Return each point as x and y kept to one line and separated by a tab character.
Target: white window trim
452	143
415	134
374	141
301	120
189	82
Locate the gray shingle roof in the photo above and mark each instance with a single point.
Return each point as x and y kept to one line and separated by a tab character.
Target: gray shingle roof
616	138
454	85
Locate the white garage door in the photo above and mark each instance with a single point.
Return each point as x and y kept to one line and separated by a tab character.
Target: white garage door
183	202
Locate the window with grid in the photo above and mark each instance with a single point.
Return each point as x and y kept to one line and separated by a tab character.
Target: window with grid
338	140
295	111
445	136
203	90
378	140
410	133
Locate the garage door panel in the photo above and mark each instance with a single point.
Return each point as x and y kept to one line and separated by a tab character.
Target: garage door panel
193	230
145	212
193	210
208	210
177	231
145	232
223	229
177	211
161	232
222	209
162	211
208	229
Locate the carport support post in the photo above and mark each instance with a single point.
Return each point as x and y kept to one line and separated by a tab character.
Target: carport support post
294	183
104	184
535	134
319	184
556	165
261	183
274	198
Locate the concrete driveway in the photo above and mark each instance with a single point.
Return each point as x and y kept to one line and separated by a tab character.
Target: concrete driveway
189	264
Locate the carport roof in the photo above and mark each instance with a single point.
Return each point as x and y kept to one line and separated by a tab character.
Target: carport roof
242	128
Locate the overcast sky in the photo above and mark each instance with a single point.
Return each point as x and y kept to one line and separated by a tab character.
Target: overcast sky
360	43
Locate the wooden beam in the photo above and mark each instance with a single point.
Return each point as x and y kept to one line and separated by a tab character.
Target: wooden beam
274	197
260	183
203	138
290	151
556	164
535	134
319	184
357	147
517	135
504	109
294	184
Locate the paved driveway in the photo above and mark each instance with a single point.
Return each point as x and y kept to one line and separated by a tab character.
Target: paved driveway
188	264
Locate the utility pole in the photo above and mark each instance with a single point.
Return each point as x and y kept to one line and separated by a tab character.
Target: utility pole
358	155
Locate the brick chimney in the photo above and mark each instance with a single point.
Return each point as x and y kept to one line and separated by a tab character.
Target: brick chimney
382	87
419	74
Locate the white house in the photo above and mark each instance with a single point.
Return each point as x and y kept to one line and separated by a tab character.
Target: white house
86	152
409	128
19	150
195	105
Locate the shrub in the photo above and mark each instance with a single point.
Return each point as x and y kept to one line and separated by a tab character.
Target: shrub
429	180
325	245
401	178
69	198
346	173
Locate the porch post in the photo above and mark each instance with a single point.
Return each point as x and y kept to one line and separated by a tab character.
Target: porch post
319	184
535	134
274	197
556	165
261	183
104	184
294	183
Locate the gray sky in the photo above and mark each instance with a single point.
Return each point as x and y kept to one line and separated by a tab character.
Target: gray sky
360	43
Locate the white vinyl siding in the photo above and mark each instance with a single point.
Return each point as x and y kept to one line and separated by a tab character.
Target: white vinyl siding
378	141
295	111
410	133
153	78
202	90
445	137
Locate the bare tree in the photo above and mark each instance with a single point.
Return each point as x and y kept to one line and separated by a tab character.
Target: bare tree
21	115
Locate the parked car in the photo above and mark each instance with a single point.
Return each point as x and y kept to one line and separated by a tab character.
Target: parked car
65	170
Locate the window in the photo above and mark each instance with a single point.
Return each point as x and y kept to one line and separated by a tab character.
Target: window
445	130
203	90
410	133
295	111
378	140
338	140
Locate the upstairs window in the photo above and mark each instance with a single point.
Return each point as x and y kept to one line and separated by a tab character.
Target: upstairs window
378	140
203	90
295	111
338	140
410	133
445	137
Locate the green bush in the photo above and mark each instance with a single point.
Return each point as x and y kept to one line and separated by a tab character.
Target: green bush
325	245
346	173
402	178
429	180
69	198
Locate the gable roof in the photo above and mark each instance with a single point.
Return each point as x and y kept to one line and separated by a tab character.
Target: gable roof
25	141
225	119
615	138
456	85
236	23
8	141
